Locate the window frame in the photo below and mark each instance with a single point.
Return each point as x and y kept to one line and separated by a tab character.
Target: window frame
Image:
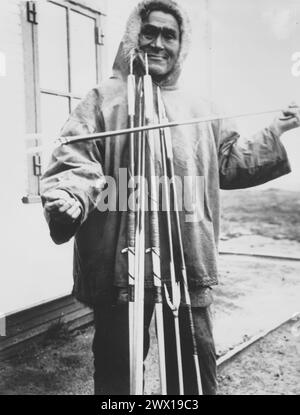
33	91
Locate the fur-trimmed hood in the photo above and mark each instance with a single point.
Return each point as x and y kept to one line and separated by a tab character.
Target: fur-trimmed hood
130	41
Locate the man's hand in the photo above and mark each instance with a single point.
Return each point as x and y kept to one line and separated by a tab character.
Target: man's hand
62	207
289	120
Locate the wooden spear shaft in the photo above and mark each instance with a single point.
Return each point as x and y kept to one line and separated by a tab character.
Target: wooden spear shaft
175	286
154	232
131	228
169	155
114	133
140	260
173	303
156	270
75	139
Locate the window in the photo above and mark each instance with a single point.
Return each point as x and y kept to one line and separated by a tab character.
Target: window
63	46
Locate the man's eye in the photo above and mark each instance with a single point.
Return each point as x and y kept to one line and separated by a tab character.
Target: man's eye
148	36
169	35
148	33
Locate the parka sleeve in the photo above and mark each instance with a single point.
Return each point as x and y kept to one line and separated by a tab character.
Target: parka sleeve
77	168
247	162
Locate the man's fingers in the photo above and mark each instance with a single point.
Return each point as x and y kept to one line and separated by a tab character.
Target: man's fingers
286	117
76	213
68	216
73	211
52	197
67	205
54	206
292	113
56	195
59	205
64	209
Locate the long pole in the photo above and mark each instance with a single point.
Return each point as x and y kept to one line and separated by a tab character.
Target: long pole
169	155
173	303
97	136
131	225
154	232
138	365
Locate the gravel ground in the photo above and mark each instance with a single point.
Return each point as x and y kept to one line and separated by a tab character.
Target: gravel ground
269	367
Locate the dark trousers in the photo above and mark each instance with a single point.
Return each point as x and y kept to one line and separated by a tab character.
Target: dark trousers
111	349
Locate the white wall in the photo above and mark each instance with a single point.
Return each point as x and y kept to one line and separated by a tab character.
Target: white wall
32	268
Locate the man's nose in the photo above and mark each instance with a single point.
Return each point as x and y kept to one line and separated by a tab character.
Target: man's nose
157	42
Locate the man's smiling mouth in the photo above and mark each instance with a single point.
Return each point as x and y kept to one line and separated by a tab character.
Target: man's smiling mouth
157	57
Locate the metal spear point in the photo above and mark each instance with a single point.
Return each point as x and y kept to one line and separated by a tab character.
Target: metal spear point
174	305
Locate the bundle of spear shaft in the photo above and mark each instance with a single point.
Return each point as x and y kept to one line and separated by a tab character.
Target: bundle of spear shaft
141	149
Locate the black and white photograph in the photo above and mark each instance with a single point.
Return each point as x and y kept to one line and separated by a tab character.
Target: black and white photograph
150	200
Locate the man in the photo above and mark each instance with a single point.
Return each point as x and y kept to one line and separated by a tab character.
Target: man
75	180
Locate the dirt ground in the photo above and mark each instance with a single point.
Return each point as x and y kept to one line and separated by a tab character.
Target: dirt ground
252	295
271	213
269	367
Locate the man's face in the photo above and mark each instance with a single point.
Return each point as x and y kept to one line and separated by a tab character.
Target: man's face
160	39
